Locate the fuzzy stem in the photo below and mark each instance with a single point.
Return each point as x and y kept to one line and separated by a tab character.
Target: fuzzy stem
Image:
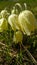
25	6
17	4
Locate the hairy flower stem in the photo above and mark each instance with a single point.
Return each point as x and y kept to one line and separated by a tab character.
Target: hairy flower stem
30	55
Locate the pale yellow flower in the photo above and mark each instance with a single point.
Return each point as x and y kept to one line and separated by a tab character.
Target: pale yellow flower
13	21
4	13
27	22
3	24
18	37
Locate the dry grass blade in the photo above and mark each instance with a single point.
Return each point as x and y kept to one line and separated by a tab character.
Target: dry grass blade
30	55
2	44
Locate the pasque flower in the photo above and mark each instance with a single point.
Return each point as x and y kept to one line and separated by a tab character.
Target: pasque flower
18	37
27	22
3	24
13	21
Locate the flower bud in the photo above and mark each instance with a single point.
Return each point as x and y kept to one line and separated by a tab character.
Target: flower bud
18	37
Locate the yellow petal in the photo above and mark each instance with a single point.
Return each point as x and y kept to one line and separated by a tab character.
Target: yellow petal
27	21
13	21
3	24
